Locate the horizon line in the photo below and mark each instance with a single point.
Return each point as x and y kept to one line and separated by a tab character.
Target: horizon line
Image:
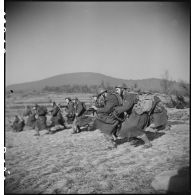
87	72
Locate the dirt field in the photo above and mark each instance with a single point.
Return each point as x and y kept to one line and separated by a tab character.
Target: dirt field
86	162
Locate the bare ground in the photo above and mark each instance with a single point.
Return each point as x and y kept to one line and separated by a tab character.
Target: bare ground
86	163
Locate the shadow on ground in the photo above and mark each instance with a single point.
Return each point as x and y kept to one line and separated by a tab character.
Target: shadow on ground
56	131
180	183
137	142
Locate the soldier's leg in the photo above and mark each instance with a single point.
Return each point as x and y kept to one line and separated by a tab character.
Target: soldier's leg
74	129
37	131
146	140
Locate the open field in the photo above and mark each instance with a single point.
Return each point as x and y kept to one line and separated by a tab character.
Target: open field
85	162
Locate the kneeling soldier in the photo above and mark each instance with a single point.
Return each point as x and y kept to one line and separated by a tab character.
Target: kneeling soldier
56	119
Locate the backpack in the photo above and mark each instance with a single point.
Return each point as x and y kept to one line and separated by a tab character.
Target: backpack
144	104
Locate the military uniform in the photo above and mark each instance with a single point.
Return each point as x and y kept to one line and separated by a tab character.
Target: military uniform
81	119
18	125
31	120
129	99
133	125
70	112
105	120
41	111
57	119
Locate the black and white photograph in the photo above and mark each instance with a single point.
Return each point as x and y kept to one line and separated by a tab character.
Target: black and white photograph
97	97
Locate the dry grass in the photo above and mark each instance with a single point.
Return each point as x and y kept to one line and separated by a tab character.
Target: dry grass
85	163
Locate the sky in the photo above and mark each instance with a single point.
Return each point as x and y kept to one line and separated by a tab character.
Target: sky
128	40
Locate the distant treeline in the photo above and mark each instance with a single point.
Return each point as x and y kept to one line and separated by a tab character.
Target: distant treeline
84	88
167	87
182	90
74	88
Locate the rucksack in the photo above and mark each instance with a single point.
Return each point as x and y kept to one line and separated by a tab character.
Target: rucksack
144	104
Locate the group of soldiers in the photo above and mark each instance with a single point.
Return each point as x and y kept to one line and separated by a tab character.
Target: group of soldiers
113	114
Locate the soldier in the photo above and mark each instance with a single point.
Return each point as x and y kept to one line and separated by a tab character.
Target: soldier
105	121
128	101
97	102
18	125
56	119
180	104
134	125
30	114
41	112
81	120
70	110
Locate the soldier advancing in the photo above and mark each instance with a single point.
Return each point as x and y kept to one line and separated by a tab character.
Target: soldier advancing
81	120
30	114
105	120
70	110
56	119
97	102
135	124
41	112
18	125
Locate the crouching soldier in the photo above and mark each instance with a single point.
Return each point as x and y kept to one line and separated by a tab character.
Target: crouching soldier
56	119
40	124
81	120
105	121
30	114
134	125
18	125
70	110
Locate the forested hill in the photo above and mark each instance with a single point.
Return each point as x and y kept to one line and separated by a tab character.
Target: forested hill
89	79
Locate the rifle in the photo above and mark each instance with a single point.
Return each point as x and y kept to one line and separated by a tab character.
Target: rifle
91	109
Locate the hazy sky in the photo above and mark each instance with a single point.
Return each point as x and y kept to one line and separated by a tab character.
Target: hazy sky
130	40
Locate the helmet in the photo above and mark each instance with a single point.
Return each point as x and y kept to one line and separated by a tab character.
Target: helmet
35	106
119	86
68	98
101	91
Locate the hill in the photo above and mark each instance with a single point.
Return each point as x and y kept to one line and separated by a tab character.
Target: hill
86	78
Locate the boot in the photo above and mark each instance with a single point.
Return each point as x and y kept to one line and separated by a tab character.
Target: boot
74	130
78	130
147	143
